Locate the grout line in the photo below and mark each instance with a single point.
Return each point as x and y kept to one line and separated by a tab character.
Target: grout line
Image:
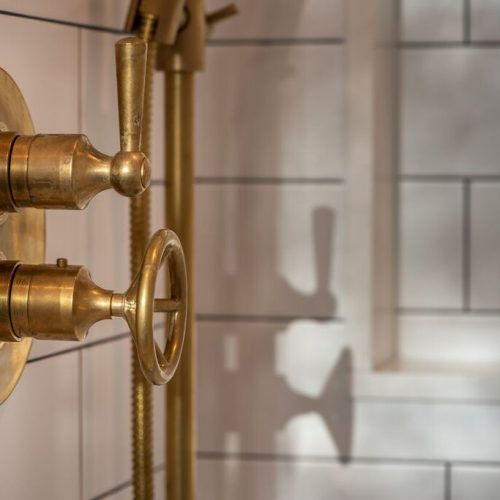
447	481
269	180
80	424
466	22
443	311
61	22
318	181
466	246
449	178
314	459
82	346
399	400
213	42
256	318
259	181
124	485
341	460
478	44
252	42
79	81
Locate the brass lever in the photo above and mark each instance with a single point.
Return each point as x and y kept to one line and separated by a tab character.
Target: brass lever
65	171
61	302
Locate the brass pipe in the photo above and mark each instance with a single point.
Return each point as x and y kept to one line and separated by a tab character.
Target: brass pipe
142	411
180	400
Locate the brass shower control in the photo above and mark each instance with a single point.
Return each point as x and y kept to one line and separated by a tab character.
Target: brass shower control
65	171
61	302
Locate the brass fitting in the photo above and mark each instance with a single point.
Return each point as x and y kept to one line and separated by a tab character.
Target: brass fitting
65	171
61	302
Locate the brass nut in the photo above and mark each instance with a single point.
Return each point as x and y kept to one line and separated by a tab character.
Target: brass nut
130	173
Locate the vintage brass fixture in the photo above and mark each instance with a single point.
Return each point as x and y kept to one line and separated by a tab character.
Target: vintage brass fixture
65	171
61	302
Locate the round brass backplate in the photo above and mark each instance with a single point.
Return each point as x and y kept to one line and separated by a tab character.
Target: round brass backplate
22	235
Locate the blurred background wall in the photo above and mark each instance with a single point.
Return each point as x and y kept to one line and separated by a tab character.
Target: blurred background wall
280	413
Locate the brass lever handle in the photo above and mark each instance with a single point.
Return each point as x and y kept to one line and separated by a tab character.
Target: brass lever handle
65	171
131	55
61	302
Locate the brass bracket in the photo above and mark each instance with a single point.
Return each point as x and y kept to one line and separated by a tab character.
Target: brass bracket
181	30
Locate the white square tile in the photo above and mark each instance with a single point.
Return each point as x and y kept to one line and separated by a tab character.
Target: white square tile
40	432
266	249
282	19
460	343
271	112
107	417
432	20
479	483
485	246
106	13
485	20
445	430
252	480
44	66
430	245
273	388
449	121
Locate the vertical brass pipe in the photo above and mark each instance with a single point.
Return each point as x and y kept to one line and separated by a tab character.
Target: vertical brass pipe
142	413
180	400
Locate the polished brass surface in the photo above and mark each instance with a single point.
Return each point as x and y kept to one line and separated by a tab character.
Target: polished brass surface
142	401
22	235
181	393
61	302
65	171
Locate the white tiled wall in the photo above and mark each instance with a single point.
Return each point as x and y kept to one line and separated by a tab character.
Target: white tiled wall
277	416
431	20
431	245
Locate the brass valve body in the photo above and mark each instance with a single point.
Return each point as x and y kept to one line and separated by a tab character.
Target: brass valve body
64	171
49	302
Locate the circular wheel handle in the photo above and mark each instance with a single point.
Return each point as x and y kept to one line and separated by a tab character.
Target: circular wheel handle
158	366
